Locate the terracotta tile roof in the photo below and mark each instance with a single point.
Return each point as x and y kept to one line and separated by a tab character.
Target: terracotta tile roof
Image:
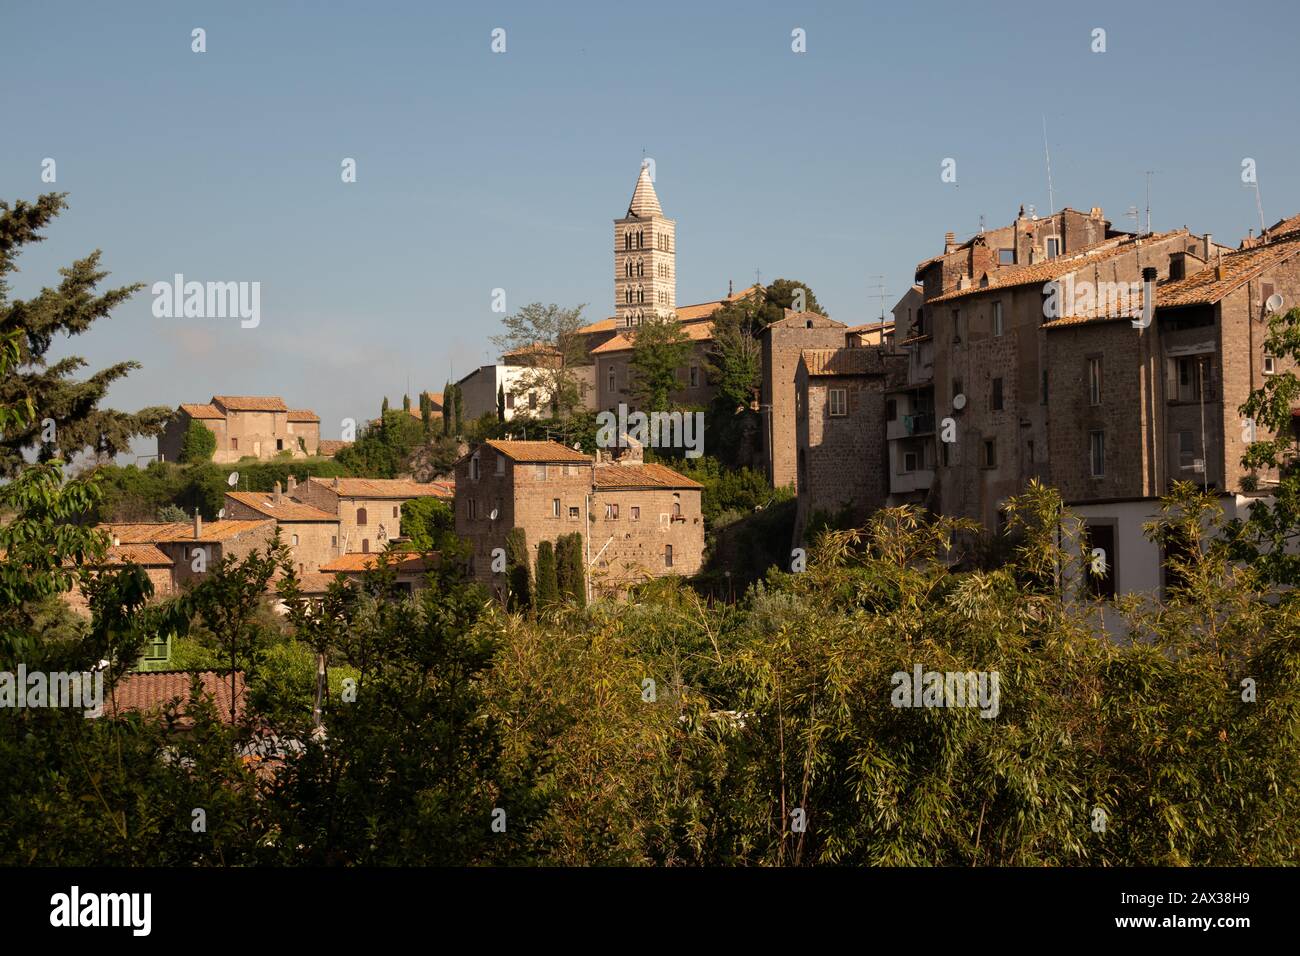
151	692
1128	308
538	451
405	562
916	338
382	487
604	325
1204	287
871	326
250	403
533	348
330	447
302	415
640	475
146	555
696	330
146	532
202	411
845	361
214	530
287	510
1044	272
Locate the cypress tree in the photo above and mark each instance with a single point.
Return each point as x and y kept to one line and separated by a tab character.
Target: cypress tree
459	410
518	572
446	411
548	590
501	403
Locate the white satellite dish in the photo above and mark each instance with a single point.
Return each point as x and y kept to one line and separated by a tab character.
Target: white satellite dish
1274	303
577	446
221	514
494	514
959	401
233	479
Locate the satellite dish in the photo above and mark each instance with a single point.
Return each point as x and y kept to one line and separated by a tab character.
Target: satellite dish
1275	303
959	401
233	479
494	514
221	514
577	446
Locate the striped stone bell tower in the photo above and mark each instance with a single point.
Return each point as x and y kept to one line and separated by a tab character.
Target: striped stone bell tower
645	257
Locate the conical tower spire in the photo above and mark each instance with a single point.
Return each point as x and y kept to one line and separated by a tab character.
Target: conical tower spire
644	201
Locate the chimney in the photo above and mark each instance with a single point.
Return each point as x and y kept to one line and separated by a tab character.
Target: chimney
1218	269
1209	244
116	541
336	483
1095	213
730	290
949	242
198	525
293	485
275	495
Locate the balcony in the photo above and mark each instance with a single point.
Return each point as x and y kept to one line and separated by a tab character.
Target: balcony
910	426
909	481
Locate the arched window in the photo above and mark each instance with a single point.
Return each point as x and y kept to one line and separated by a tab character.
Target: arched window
628	269
361	517
640	239
627	239
640	268
365	545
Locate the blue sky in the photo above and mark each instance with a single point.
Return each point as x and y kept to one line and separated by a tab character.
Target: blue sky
479	170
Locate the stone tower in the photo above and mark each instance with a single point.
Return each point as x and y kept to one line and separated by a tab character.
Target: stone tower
645	257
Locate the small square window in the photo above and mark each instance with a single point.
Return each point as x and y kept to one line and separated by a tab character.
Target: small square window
573	513
611	512
636	513
1006	257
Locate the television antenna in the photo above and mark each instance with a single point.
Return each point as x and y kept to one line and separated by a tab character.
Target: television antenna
879	287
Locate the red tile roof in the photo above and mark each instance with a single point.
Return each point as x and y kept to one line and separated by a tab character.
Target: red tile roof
302	415
1042	272
202	411
330	447
152	692
213	530
405	562
146	532
537	451
640	475
250	403
287	510
382	487
845	361
1205	287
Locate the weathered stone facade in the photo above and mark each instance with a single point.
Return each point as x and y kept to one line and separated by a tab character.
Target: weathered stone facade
310	534
245	426
369	510
839	415
783	343
629	513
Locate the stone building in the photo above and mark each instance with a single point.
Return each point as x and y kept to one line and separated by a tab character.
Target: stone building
1133	410
783	342
157	564
368	510
637	520
991	373
840	430
310	534
194	547
245	426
